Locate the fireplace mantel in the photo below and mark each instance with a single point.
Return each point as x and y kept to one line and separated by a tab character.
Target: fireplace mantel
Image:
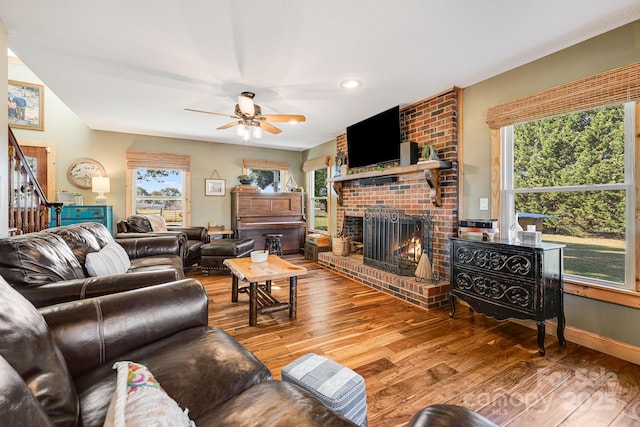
431	170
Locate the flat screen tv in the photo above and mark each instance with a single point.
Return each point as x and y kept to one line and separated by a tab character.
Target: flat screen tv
375	139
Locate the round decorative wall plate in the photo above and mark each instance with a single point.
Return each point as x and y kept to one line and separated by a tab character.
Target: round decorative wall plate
81	171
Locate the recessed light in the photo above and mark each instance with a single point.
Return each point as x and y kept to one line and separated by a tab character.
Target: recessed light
350	83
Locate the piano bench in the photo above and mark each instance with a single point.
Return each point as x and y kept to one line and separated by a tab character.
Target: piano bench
212	255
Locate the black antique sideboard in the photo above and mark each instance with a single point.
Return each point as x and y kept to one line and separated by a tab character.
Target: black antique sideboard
509	280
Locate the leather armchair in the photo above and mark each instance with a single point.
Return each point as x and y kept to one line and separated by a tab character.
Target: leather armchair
191	237
56	362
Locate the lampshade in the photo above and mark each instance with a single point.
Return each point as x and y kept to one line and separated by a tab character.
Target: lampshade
100	185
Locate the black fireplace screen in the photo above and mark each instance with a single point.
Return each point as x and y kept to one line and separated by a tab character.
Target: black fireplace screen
394	241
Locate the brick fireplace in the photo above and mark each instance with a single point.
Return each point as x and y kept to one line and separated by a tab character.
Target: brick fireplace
435	121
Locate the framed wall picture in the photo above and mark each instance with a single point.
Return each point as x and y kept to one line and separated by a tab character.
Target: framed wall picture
26	105
214	187
81	171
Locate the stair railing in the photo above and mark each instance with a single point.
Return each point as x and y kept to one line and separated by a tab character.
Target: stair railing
28	205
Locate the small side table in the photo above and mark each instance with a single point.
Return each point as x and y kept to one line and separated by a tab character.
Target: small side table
226	234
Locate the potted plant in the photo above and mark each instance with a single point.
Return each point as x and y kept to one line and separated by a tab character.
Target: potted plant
245	179
429	152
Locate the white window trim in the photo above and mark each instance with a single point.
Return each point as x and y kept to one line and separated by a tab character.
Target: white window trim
132	196
507	193
310	201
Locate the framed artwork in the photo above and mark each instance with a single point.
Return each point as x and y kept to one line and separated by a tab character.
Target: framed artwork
81	171
26	105
214	187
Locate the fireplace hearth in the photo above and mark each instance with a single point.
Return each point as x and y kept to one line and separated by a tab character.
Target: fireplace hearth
394	241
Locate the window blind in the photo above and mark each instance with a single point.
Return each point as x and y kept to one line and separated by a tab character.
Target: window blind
317	163
264	164
611	87
151	160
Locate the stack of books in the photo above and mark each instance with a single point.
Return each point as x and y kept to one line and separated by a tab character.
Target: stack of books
318	239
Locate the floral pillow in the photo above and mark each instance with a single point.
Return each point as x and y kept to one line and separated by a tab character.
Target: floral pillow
140	401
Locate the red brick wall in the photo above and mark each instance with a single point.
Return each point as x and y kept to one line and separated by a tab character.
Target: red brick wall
429	121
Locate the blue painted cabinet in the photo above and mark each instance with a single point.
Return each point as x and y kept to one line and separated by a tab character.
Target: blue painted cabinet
75	214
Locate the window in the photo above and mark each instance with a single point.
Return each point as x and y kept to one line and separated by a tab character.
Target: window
571	176
160	192
317	171
318	214
267	180
270	176
159	183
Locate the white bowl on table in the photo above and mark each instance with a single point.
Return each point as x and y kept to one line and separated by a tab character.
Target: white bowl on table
259	256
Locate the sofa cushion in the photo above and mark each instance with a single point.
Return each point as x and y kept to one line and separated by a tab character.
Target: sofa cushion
200	368
28	347
112	259
83	238
273	403
139	400
35	259
158	262
138	224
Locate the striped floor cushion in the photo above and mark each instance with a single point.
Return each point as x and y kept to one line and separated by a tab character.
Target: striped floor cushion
337	386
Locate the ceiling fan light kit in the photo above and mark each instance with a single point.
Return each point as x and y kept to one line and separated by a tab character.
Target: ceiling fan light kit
250	121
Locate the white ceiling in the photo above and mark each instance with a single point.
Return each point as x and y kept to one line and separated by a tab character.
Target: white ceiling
133	66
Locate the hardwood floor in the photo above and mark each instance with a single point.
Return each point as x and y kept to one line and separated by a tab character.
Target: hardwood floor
411	358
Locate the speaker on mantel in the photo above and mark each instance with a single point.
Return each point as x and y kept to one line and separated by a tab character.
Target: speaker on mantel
408	153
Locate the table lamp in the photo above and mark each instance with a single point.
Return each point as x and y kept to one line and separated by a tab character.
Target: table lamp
100	185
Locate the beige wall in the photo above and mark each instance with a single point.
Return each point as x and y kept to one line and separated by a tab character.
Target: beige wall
73	140
614	49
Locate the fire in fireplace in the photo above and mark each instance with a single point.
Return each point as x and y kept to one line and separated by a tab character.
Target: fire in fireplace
394	241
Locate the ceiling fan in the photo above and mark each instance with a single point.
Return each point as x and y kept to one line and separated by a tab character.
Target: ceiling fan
249	117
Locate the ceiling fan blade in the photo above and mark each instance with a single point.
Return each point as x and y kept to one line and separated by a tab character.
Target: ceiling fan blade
245	104
268	127
229	125
211	112
284	118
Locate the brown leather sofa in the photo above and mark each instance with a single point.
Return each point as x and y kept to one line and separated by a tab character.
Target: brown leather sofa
191	237
48	266
56	363
59	361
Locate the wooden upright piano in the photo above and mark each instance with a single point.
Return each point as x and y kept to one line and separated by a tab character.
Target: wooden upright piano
254	213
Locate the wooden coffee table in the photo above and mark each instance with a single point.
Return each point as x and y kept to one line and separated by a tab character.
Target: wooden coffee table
260	299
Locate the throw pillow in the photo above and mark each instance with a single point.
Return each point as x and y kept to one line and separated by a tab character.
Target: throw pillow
112	259
157	222
139	400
